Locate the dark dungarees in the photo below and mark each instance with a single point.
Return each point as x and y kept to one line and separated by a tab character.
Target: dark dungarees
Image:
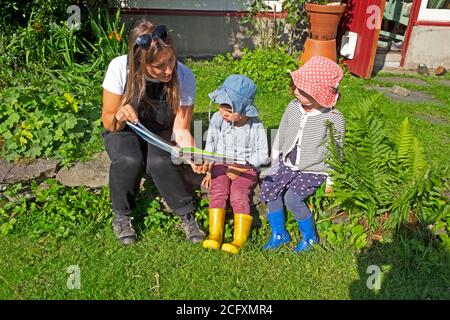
131	156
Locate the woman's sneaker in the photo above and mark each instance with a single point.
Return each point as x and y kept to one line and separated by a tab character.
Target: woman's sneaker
191	229
123	229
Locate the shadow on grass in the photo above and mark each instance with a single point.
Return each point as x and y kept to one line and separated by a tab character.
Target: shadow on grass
412	266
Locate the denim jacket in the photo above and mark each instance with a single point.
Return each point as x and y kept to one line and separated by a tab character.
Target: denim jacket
247	142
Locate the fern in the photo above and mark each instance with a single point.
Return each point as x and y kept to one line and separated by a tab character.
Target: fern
381	174
411	157
404	141
418	163
362	182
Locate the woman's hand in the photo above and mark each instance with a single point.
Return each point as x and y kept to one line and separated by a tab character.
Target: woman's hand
233	172
207	166
126	113
201	168
114	113
182	127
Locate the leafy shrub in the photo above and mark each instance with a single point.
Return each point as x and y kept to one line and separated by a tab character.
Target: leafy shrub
62	118
267	67
45	38
55	120
352	234
17	13
49	44
109	42
54	210
382	176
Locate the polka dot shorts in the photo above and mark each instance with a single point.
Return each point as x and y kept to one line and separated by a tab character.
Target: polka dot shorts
303	184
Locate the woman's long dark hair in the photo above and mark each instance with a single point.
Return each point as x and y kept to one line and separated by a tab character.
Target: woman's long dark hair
137	60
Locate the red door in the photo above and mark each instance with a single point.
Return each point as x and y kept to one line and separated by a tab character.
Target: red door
364	18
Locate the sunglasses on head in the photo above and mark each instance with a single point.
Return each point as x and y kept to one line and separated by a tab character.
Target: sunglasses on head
145	40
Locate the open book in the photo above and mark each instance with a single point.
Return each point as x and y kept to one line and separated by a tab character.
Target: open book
187	153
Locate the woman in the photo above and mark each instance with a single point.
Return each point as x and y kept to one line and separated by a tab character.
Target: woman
148	85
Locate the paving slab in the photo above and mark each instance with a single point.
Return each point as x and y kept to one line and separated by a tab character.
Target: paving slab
400	80
38	169
444	82
93	173
414	97
431	119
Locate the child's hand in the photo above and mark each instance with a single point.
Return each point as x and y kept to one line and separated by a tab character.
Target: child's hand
328	185
206	183
233	172
232	176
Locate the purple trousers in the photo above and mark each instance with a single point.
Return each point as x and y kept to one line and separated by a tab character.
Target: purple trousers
239	190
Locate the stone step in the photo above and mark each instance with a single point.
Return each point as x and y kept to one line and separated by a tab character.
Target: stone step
387	59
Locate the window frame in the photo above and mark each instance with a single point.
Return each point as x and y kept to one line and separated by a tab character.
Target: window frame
426	14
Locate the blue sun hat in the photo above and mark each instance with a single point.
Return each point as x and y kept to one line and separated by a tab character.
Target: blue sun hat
238	91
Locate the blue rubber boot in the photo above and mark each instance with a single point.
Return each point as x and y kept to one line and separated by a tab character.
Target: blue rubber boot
279	236
308	232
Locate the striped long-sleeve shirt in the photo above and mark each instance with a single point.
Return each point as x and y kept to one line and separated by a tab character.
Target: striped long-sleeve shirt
307	134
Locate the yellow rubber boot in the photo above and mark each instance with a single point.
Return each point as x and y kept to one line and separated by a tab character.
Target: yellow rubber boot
242	225
216	224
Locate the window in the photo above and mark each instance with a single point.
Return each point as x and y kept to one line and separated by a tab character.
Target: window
438	4
434	10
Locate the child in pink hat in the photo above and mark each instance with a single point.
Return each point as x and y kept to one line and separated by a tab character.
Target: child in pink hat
300	150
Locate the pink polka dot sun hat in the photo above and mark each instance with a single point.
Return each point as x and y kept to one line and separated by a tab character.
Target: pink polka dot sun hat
319	78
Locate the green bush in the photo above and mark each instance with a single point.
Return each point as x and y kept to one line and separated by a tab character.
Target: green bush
53	210
43	37
52	45
62	118
109	40
382	178
267	67
17	13
56	120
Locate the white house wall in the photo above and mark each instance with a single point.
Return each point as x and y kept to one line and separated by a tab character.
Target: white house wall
199	28
215	5
203	36
429	45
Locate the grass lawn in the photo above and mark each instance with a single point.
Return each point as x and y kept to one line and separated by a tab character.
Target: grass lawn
164	266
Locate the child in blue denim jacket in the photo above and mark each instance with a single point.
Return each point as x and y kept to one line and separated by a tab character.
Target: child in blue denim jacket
236	132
